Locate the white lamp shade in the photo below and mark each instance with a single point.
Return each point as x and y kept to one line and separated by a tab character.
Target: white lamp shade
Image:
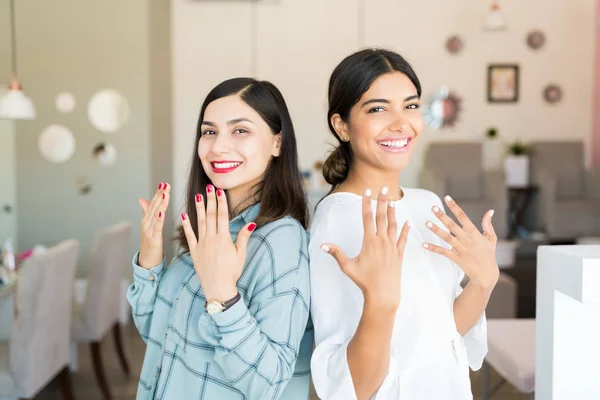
15	105
494	20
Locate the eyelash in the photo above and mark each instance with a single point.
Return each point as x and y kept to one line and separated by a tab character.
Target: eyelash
413	106
235	131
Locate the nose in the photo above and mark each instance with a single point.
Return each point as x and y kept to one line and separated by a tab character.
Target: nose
399	123
221	145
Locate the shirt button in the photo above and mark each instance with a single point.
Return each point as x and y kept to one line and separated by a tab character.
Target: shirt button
151	278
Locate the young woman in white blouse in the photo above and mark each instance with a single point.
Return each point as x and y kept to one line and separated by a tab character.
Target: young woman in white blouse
391	319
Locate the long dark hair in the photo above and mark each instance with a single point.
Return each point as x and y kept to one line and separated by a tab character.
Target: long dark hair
281	191
348	82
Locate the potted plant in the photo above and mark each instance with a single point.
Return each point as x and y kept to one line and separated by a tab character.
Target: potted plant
516	165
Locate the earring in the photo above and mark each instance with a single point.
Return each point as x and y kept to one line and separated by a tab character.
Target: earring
345	138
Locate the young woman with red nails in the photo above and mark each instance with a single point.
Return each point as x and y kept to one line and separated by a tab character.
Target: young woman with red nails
391	319
228	319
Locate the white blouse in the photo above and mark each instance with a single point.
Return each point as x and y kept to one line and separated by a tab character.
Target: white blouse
429	358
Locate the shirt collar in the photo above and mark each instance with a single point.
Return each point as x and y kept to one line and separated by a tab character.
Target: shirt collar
248	215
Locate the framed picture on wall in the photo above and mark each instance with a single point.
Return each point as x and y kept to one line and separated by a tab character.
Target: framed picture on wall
503	83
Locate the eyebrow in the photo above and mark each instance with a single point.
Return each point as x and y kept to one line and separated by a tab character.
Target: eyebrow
231	122
409	98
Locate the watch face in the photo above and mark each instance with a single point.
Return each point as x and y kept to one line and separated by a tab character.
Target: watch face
213	307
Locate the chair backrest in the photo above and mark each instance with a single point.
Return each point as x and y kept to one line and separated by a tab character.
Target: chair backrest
109	256
41	333
462	165
563	160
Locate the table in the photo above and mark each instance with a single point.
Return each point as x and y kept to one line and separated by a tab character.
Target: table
519	199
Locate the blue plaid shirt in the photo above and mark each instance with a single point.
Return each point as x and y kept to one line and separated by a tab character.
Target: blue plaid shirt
259	349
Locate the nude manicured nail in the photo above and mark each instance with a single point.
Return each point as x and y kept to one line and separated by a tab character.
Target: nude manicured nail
425	245
429	224
368	192
448	198
436	209
384	190
325	248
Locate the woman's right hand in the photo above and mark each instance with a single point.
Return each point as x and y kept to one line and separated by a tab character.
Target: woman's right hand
377	270
151	237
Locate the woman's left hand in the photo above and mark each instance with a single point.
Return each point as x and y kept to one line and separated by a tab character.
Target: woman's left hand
472	251
217	260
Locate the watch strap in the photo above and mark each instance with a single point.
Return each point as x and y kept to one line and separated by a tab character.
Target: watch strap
229	303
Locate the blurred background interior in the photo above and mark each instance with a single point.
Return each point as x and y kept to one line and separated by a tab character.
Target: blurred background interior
100	102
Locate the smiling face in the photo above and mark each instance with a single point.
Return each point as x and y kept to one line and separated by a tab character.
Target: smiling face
384	125
236	145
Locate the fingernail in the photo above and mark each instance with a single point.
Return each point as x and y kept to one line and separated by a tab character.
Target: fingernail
209	188
429	224
408	223
448	198
425	245
391	204
160	186
163	195
384	190
183	216
436	209
325	248
252	227
159	214
198	198
219	192
368	192
492	213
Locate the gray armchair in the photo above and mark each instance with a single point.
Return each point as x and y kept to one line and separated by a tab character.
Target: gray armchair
456	168
569	195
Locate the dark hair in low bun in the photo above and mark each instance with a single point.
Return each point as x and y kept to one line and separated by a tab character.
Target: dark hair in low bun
349	81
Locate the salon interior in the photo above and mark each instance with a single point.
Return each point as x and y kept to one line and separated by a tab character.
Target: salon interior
99	102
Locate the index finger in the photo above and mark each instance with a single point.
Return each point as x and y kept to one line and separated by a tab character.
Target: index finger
462	217
367	212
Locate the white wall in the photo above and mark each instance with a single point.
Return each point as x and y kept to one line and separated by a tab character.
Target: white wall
300	42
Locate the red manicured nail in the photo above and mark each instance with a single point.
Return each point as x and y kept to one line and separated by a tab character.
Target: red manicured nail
198	198
183	216
219	192
163	195
252	227
210	188
160	186
159	214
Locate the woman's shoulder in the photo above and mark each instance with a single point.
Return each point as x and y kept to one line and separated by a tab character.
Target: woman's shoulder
284	233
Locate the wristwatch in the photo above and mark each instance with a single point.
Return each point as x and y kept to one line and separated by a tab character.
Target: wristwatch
215	306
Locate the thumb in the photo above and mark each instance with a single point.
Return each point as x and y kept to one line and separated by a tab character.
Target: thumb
241	244
488	227
144	204
339	255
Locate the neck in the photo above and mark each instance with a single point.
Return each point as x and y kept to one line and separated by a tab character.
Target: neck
240	197
363	176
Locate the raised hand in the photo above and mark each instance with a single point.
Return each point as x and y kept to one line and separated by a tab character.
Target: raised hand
151	237
377	270
472	251
217	260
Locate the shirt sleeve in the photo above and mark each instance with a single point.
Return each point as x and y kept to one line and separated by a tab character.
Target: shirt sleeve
257	351
336	309
141	294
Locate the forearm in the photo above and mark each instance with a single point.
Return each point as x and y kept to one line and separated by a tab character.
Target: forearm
368	353
469	306
142	293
